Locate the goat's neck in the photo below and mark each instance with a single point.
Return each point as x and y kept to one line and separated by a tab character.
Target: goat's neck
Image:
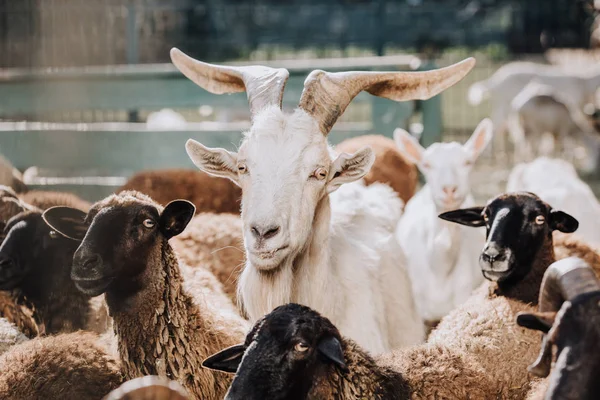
161	331
58	306
363	380
527	289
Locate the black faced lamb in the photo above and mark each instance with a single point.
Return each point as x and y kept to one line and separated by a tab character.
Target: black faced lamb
150	387
161	329
35	264
72	366
569	317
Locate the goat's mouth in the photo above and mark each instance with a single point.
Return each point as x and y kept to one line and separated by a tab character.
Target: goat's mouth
268	259
92	286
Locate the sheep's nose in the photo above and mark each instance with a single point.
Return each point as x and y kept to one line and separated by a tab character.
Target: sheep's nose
450	190
266	232
490	253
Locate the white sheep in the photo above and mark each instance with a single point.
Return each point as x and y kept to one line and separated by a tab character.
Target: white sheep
556	182
510	79
296	249
539	109
442	256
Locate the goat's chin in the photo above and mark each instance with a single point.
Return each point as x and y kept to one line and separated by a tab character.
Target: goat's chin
268	262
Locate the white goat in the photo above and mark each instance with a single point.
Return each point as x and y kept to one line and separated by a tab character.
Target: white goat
556	182
539	109
442	256
298	247
510	79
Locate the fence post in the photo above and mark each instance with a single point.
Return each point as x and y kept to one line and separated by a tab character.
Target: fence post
431	113
132	48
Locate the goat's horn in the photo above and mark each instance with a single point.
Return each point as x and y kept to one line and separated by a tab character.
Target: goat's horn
326	95
263	85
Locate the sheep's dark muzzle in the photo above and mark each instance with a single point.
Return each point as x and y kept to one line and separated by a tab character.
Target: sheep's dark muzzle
87	274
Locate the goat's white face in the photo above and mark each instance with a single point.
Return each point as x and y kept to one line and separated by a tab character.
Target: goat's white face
446	166
285	169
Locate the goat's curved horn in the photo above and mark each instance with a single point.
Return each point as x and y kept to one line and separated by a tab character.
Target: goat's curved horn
263	85
326	95
563	280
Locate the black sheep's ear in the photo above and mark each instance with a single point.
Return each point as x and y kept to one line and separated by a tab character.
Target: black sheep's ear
67	221
331	348
227	360
536	321
563	222
472	216
175	217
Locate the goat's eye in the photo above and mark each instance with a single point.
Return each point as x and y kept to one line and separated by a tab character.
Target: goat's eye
54	235
320	174
242	168
148	223
301	347
540	219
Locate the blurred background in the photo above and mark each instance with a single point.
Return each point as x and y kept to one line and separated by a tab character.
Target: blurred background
88	94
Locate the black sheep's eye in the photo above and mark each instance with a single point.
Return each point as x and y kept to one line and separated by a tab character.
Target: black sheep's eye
148	223
301	347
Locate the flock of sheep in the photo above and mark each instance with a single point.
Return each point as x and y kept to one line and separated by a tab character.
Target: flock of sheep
294	270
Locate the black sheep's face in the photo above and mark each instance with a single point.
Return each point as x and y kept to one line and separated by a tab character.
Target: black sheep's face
281	356
118	241
575	334
517	225
32	248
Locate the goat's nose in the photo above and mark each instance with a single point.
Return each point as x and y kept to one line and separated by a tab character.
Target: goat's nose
449	190
263	233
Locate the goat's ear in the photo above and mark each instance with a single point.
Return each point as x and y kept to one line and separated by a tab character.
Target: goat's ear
227	360
175	217
217	162
67	221
331	348
472	216
350	167
563	222
537	321
408	146
482	135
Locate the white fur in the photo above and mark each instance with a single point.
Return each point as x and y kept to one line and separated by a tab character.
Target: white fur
511	78
334	253
9	335
556	182
442	256
165	119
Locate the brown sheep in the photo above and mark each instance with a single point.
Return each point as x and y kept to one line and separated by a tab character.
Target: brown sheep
10	176
161	329
150	387
70	366
18	314
208	193
214	242
390	166
45	199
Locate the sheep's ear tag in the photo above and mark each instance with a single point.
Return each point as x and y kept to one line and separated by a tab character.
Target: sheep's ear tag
67	221
175	217
227	360
331	348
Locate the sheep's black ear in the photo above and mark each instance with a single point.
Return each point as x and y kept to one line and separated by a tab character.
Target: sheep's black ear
563	222
331	348
227	360
67	221
536	321
472	216
175	217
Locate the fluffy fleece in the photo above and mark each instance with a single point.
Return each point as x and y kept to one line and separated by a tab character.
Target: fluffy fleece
214	242
390	166
10	335
208	193
67	366
18	314
172	325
